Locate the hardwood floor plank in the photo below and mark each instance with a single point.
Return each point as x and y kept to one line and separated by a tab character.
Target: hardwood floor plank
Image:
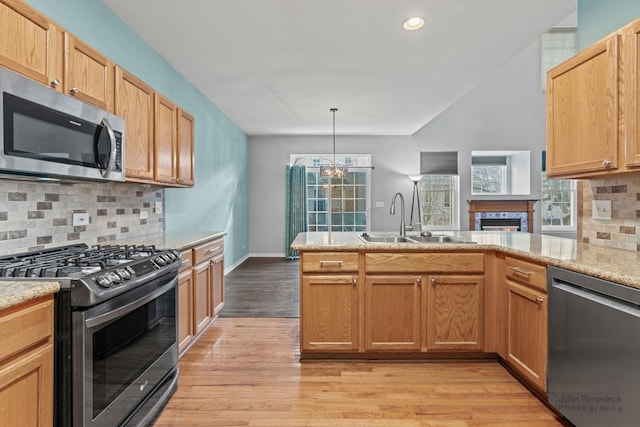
263	287
246	372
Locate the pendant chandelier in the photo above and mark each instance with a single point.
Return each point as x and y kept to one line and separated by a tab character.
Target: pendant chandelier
334	170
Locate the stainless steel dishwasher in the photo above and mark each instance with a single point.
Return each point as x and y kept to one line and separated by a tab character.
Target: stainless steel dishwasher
594	349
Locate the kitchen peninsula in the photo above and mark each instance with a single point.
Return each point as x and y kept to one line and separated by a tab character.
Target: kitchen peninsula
485	298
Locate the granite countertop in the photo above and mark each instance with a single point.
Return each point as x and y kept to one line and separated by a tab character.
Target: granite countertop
179	240
616	265
14	292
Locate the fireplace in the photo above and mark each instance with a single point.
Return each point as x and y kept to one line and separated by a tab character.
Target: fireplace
503	215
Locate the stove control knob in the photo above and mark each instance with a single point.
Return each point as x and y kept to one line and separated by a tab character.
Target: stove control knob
103	281
167	257
114	277
131	271
160	261
124	273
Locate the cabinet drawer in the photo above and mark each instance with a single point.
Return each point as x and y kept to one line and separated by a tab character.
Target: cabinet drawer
187	259
433	262
207	250
329	262
526	272
25	325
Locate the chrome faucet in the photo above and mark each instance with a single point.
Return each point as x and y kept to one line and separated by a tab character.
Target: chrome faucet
392	211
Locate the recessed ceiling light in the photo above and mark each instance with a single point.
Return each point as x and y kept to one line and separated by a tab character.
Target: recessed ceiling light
412	24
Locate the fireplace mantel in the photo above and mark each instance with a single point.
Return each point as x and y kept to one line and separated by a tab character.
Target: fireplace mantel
501	206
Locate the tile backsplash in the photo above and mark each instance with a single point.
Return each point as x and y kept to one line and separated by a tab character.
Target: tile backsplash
39	214
623	229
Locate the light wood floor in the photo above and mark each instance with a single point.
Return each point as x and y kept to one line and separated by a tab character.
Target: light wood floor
246	372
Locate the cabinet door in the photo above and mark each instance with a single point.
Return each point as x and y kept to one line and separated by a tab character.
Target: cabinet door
393	312
185	148
455	307
88	75
217	283
186	329
166	114
527	332
329	314
630	63
26	389
28	44
134	103
582	112
202	307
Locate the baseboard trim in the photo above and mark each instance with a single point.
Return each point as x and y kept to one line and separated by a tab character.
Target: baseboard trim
268	255
235	265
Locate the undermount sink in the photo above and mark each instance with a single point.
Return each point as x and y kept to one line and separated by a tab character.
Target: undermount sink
432	238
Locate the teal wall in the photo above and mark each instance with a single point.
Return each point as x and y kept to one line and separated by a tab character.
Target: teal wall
219	200
599	18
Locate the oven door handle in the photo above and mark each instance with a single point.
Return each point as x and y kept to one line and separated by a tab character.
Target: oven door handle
100	319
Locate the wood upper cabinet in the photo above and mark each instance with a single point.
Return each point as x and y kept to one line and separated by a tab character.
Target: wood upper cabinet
29	43
582	113
88	75
393	313
166	116
135	104
185	173
630	75
329	312
26	364
455	308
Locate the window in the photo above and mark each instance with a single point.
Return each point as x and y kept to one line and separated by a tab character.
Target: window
558	203
349	196
439	202
489	179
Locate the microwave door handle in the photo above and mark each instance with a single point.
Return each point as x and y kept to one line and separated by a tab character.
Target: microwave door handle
113	147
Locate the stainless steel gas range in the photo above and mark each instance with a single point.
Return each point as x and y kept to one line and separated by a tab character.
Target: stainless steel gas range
116	346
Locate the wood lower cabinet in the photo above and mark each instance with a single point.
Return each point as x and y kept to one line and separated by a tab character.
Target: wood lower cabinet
26	364
455	312
329	299
329	312
200	290
186	330
393	313
527	311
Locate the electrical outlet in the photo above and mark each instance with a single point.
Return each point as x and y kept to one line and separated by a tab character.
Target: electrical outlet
601	209
80	219
144	214
158	208
379	204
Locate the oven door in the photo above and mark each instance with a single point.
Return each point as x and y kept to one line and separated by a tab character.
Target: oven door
123	350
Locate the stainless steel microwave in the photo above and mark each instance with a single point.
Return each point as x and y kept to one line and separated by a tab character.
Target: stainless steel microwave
47	134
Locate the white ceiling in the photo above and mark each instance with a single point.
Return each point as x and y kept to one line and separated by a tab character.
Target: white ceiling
275	67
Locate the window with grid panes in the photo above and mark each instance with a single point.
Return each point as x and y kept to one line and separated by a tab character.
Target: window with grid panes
558	202
349	195
439	201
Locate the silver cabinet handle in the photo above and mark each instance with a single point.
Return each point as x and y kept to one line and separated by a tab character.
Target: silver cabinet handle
55	83
213	249
606	163
354	281
418	281
74	90
539	300
518	270
433	281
